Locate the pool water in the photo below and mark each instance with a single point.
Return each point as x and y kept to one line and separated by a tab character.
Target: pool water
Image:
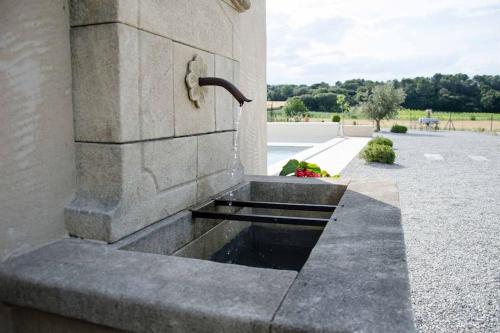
278	153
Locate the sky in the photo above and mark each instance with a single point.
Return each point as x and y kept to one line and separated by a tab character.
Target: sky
310	41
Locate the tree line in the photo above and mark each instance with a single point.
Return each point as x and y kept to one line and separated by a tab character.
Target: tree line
443	92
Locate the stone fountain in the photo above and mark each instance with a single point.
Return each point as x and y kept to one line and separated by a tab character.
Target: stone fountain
168	233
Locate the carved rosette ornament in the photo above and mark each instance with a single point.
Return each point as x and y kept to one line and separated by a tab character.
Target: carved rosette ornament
196	68
241	5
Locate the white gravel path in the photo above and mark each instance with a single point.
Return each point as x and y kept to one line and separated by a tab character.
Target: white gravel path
451	219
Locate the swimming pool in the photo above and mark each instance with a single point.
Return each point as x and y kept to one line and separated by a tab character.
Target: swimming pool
279	153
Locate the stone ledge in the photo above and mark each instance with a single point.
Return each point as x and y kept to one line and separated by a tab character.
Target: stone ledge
143	292
356	278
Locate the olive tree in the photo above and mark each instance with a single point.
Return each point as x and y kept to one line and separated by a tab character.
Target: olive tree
383	103
294	107
342	103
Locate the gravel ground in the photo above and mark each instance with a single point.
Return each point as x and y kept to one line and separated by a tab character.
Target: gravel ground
451	219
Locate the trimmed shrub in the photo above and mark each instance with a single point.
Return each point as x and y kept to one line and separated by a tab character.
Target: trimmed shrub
378	153
336	119
380	140
473	117
399	129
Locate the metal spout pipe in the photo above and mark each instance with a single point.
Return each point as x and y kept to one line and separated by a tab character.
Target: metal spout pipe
215	81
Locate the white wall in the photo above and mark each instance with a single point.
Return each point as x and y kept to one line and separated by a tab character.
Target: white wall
253	83
358	130
302	132
36	123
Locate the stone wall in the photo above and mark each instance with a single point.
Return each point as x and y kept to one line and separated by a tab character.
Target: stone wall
37	177
127	134
252	44
144	151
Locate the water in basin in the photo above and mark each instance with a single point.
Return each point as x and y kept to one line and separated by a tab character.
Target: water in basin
269	247
255	244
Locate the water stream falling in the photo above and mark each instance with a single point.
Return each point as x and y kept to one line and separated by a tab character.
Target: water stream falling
235	163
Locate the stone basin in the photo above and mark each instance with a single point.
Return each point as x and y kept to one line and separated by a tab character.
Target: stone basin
276	246
177	276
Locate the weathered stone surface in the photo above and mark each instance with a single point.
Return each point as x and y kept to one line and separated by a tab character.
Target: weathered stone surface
163	237
100	171
170	162
30	321
250	51
190	119
209	186
147	292
120	191
105	83
216	153
125	187
224	102
156	86
207	25
356	277
299	190
123	84
127	81
85	12
212	241
37	164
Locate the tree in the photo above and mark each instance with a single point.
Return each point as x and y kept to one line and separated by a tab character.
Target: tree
490	100
294	107
444	92
384	103
342	103
309	102
326	102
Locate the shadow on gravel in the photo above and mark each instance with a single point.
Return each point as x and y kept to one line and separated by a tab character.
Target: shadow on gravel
418	134
386	166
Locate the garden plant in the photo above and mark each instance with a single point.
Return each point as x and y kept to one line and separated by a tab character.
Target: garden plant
303	169
378	153
380	140
399	128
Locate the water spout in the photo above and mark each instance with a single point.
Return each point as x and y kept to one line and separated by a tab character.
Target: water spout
215	81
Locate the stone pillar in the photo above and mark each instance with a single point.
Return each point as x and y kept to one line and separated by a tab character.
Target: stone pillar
143	150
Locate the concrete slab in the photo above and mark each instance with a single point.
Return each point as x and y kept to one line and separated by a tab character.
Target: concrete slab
336	158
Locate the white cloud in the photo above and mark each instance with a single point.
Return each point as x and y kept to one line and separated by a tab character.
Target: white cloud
331	40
